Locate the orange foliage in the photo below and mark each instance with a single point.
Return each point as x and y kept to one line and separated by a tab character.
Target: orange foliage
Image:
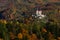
12	36
24	32
33	37
50	36
20	36
44	30
27	21
1	39
30	18
58	38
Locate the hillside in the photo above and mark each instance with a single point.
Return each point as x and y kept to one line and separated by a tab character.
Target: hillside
29	19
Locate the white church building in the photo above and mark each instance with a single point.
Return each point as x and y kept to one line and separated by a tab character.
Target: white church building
39	14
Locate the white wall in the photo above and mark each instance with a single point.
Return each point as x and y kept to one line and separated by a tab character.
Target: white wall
39	14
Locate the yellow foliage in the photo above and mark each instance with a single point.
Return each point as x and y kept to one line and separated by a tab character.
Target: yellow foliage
21	25
17	22
11	22
3	21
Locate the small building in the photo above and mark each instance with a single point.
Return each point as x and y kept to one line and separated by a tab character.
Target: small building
39	14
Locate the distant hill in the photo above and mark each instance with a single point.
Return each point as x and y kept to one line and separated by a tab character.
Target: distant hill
54	0
28	7
5	3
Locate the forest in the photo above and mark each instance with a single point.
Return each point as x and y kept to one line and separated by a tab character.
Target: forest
18	20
